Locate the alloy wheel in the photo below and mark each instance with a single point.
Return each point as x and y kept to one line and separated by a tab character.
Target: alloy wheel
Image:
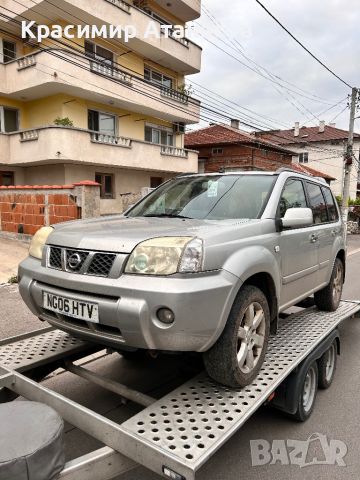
251	337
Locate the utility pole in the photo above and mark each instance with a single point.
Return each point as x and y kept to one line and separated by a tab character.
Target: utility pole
349	156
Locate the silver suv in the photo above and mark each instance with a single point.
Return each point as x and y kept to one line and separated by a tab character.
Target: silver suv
205	263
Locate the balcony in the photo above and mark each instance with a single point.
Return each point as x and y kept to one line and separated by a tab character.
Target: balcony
180	55
54	144
54	71
186	10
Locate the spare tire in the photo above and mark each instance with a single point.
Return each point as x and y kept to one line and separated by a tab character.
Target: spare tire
31	442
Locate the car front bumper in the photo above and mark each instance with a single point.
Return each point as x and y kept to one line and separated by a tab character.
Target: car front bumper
128	306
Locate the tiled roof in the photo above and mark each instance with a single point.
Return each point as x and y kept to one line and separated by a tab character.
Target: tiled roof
301	168
307	134
222	135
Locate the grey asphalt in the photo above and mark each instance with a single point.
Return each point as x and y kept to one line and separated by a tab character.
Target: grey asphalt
337	412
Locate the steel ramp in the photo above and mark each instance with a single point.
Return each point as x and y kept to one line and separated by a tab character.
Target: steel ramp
41	347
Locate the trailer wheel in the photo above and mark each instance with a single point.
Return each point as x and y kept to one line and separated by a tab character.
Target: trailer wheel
327	367
307	395
237	356
328	299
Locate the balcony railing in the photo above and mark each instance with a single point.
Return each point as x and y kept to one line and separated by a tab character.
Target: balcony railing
109	71
110	139
173	151
120	4
174	94
29	135
25	62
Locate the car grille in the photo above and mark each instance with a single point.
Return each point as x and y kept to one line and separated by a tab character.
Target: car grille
81	261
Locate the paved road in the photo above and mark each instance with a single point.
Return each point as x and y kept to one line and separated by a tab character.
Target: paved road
337	412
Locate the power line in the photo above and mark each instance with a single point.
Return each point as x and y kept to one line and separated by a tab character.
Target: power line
302	45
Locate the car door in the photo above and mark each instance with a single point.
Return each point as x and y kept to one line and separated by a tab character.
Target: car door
298	249
327	226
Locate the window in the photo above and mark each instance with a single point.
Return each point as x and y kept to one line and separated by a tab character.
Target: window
155	182
9	51
217	151
159	135
106	181
304	157
159	78
317	203
8	119
7	179
99	53
293	196
101	122
220	197
333	212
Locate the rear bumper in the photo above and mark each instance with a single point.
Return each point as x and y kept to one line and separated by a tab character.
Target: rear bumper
128	306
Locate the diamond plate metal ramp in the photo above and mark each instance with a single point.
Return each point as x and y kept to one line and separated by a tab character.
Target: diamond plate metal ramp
185	428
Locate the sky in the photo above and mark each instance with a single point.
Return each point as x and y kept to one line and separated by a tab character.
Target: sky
329	28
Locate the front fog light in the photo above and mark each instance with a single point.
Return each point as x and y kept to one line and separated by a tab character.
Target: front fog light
165	315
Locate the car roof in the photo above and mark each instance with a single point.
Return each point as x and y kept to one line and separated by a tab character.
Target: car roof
287	171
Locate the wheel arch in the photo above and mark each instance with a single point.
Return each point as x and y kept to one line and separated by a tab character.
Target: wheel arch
341	255
265	282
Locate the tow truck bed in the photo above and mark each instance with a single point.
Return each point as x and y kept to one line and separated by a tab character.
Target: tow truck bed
176	435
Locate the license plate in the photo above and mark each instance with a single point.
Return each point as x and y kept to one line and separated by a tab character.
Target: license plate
72	308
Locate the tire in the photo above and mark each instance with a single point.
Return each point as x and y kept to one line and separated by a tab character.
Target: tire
308	392
327	367
237	356
328	299
134	356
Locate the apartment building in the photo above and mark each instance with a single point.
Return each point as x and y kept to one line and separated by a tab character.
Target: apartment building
96	109
321	148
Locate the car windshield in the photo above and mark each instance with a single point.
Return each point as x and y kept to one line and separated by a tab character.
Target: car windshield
219	197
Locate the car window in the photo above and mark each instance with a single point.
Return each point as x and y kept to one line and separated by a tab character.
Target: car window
293	196
331	206
317	203
219	197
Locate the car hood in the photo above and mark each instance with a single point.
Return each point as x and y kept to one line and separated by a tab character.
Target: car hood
121	234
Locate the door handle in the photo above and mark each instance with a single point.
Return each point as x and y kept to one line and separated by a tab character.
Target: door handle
314	238
335	232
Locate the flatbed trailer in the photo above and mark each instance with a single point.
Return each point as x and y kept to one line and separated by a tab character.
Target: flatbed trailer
177	434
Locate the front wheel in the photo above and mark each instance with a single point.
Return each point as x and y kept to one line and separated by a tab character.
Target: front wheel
237	356
328	299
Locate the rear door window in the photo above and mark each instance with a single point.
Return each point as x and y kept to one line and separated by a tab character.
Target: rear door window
317	203
331	205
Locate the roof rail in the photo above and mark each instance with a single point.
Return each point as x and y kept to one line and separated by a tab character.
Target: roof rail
291	170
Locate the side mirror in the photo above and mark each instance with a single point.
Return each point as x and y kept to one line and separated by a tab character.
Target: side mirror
297	217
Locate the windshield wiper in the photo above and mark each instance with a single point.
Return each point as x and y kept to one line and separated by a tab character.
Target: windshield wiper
166	215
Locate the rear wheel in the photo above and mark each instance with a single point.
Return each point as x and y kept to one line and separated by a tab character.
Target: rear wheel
308	394
327	366
328	299
237	356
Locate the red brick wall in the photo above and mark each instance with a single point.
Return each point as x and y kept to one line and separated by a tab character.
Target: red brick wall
25	209
239	156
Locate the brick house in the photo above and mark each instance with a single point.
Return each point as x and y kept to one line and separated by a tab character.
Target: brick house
229	148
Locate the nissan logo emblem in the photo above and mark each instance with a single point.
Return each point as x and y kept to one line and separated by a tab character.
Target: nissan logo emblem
74	261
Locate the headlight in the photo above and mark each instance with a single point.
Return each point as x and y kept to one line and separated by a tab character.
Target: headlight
166	255
38	242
